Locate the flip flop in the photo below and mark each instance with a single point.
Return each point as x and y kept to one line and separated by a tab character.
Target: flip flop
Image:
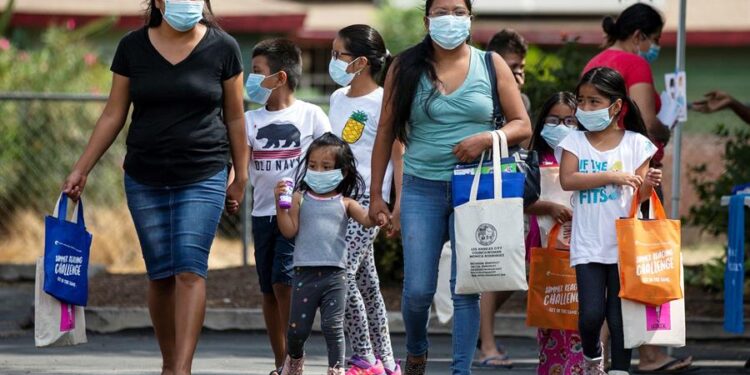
487	362
665	368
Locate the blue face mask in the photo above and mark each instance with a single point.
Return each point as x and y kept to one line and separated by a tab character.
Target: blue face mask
652	54
323	182
450	31
257	93
183	15
337	71
594	121
554	134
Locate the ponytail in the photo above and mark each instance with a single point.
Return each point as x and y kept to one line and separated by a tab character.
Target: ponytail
633	120
610	84
636	17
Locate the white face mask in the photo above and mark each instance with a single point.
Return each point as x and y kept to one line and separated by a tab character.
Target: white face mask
450	31
594	121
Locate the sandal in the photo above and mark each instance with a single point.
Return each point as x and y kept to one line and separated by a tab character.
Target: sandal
488	362
669	367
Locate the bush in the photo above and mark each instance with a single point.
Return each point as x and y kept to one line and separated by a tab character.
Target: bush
708	214
551	72
40	141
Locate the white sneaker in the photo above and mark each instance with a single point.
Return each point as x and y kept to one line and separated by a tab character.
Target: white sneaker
593	366
618	372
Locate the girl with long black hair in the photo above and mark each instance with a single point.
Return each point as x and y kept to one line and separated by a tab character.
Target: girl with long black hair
438	102
359	61
604	167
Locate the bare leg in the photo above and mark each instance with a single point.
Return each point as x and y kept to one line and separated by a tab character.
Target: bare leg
604	338
283	298
489	304
190	310
274	328
161	301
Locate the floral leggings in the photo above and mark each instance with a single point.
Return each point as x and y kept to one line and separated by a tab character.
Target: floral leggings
560	352
366	320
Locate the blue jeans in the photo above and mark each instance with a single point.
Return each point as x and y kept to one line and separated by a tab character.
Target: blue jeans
176	224
426	223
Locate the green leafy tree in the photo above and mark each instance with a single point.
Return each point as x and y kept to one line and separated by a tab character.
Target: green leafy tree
708	214
400	27
40	140
553	71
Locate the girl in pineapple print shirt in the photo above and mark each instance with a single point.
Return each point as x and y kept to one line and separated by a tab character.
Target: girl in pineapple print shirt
318	219
604	166
358	62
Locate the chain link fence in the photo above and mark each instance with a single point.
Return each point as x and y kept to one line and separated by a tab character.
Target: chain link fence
41	137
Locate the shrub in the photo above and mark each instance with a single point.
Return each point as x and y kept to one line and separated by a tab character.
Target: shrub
40	141
708	214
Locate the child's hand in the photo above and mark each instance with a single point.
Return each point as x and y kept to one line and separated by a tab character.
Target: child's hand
625	179
561	213
653	177
278	190
382	220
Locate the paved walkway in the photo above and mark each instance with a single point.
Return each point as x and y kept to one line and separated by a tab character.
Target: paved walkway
230	353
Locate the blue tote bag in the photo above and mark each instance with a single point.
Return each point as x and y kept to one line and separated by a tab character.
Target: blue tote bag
512	180
66	254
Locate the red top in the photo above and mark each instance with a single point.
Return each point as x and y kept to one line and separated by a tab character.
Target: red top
634	69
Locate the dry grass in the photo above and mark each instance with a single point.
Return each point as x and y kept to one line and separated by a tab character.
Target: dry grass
115	243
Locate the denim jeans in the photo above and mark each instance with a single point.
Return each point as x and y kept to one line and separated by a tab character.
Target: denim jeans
176	225
598	287
426	223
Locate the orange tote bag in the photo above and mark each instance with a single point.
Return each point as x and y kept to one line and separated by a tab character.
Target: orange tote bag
553	292
650	258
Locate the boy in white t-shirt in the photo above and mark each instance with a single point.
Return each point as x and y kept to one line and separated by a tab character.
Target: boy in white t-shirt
279	134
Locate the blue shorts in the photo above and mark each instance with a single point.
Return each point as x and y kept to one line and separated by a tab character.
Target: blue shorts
273	254
176	224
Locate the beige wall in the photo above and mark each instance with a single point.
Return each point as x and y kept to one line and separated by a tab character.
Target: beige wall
710	15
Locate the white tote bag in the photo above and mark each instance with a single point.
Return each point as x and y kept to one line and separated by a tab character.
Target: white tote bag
55	323
552	192
490	252
654	325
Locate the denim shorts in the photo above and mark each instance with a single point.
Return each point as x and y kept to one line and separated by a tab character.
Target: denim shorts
176	224
274	254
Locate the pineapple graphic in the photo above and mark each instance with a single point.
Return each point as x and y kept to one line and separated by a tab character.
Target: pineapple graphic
354	127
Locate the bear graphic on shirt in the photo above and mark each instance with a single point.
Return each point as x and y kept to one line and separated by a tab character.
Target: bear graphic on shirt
276	134
282	150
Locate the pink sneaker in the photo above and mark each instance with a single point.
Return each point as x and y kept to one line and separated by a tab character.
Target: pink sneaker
362	367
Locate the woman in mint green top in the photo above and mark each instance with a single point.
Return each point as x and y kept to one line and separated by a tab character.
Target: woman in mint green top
438	102
446	120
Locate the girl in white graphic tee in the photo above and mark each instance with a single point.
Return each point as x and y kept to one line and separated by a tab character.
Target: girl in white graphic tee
359	61
604	166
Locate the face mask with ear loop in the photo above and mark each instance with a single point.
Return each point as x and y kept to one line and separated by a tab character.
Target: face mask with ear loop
337	70
255	92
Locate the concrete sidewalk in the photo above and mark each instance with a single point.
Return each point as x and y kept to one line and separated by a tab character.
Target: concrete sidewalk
234	352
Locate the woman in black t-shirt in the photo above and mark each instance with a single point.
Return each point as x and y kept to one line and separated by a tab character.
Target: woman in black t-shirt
183	76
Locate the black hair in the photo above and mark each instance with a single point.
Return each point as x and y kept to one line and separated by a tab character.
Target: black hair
636	17
508	41
353	185
610	84
537	142
154	17
411	65
365	41
282	54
